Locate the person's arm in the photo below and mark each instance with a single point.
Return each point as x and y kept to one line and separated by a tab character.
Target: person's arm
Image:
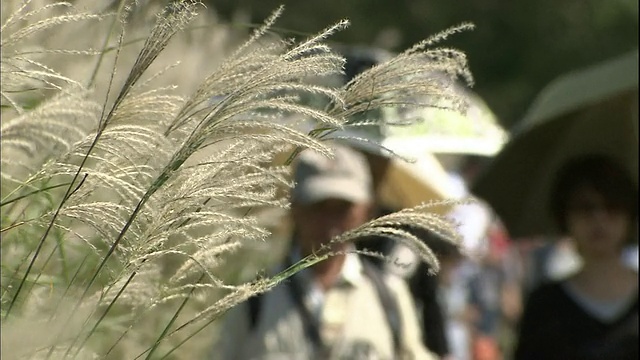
411	334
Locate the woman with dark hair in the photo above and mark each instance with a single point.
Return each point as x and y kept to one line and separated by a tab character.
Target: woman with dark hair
592	314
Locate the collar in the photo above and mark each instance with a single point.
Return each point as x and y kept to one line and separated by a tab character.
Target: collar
351	272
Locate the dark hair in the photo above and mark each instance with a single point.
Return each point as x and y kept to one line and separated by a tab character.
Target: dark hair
600	173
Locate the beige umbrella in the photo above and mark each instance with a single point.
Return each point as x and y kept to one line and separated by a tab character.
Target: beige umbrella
407	181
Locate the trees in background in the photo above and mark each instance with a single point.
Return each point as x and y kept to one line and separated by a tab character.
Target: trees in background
517	47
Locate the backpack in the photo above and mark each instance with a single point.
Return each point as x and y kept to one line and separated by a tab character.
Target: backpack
388	302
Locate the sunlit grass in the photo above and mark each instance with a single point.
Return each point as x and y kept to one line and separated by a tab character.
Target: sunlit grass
136	190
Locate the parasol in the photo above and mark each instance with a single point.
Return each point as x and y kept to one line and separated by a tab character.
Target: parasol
590	111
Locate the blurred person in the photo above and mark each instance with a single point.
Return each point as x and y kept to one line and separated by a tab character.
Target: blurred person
340	308
592	314
431	292
472	287
495	293
449	315
459	313
444	300
489	280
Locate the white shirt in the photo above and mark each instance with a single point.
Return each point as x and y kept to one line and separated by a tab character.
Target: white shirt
350	313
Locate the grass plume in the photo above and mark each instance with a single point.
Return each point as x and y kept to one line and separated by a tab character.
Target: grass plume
128	199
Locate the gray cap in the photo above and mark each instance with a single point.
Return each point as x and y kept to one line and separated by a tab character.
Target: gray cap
346	176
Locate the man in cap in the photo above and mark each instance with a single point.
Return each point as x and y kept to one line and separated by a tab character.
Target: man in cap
342	307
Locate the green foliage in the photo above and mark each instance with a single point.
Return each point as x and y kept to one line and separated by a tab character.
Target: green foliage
517	47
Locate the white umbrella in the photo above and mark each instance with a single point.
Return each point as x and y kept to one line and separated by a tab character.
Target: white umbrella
442	131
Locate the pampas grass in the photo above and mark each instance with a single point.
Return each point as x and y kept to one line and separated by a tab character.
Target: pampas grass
130	181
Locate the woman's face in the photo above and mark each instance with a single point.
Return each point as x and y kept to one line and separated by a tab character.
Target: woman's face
599	227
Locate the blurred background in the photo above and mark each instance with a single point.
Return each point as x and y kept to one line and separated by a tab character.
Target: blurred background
516	48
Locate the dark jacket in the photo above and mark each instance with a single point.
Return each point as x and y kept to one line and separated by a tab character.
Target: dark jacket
555	326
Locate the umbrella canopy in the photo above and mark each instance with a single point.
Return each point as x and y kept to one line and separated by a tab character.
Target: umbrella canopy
401	184
443	131
592	111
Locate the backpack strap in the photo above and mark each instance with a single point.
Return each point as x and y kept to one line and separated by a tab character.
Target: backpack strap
388	302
